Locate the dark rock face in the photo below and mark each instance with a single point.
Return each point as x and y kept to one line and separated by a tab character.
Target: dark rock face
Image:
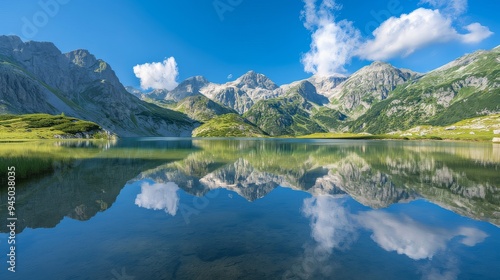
35	77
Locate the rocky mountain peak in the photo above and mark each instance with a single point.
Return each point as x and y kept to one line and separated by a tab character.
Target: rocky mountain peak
192	84
325	85
68	72
380	64
369	85
307	90
9	43
24	52
376	66
382	73
188	87
255	80
199	79
82	58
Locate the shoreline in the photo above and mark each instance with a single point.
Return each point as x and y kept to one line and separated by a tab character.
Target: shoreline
305	137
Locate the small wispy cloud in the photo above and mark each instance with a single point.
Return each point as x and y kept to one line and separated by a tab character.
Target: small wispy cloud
158	75
230	76
449	7
477	33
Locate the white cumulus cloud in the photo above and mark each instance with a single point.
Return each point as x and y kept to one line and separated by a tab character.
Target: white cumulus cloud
405	34
401	36
333	43
158	197
158	75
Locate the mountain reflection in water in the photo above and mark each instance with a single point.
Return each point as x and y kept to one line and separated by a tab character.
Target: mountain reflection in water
349	193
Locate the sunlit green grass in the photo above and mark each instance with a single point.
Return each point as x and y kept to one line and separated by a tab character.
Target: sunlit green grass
474	129
41	126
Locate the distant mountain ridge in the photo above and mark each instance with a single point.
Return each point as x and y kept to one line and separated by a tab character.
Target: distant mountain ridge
379	98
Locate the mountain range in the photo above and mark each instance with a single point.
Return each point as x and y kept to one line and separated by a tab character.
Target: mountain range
378	99
35	77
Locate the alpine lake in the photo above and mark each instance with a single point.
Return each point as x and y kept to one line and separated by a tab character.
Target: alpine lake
172	208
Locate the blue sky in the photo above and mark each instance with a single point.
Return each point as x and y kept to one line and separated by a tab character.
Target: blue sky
285	40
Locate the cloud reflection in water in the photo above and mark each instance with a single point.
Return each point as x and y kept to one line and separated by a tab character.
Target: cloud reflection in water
159	196
411	238
334	227
331	224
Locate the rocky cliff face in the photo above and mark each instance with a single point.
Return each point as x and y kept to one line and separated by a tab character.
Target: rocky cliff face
309	92
242	93
367	86
189	87
232	97
326	85
35	77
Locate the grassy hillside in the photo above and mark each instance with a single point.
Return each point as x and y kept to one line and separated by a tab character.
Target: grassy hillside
44	126
331	119
201	108
473	129
229	125
287	115
466	88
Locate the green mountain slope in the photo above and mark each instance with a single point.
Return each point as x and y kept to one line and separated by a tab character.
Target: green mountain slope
228	125
201	108
468	87
330	119
479	128
368	86
290	114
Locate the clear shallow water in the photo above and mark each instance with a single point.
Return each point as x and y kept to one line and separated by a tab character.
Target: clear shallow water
247	209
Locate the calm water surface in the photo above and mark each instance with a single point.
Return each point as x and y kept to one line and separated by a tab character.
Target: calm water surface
253	209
